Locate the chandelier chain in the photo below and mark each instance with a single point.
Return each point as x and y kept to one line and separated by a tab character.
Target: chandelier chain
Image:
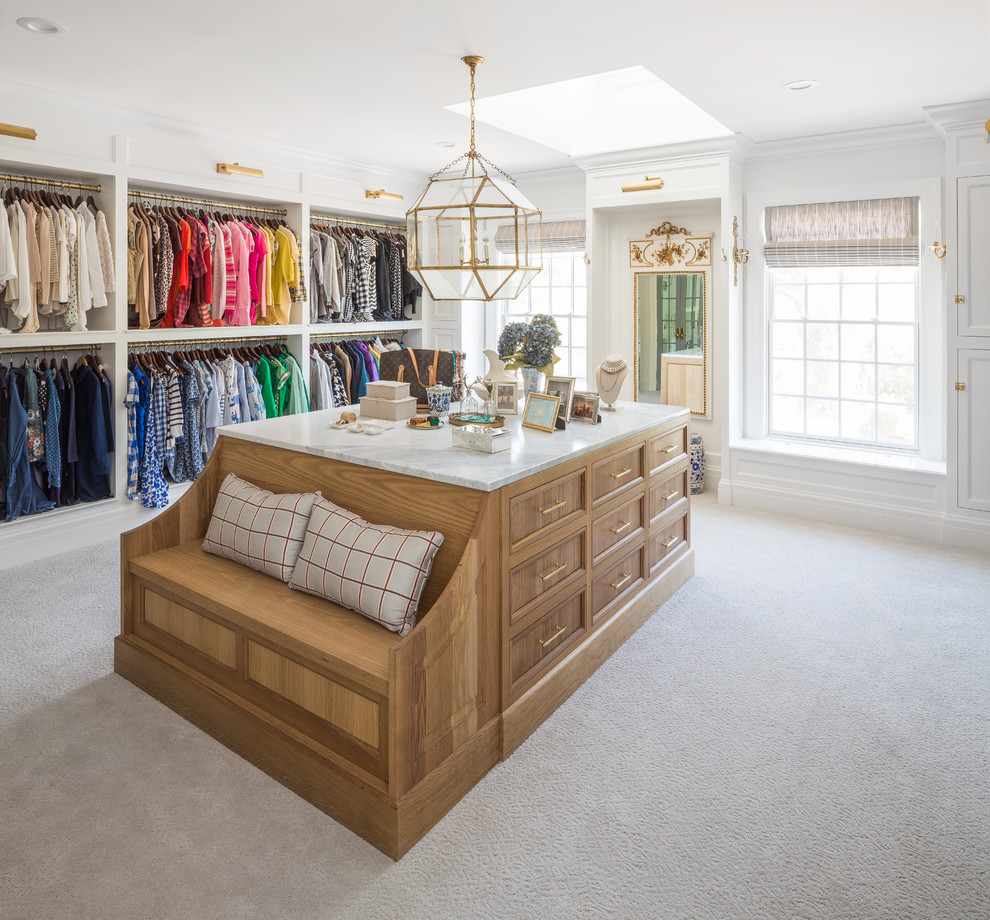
473	68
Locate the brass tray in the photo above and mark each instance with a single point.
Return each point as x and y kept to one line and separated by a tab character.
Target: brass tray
459	420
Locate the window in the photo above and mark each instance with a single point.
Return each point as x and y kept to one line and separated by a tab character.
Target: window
560	290
843	322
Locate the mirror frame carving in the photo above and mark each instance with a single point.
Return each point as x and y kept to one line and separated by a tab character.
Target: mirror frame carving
670	250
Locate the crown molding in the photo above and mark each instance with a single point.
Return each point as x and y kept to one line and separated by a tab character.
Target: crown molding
959	116
641	157
136	121
845	141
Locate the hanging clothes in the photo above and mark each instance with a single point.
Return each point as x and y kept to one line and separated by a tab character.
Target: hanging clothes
56	261
207	269
359	274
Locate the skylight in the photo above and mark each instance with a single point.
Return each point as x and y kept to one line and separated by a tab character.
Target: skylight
619	110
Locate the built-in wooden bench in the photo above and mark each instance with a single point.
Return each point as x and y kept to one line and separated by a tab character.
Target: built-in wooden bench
383	733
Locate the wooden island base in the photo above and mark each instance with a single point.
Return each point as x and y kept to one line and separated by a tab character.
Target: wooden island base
535	585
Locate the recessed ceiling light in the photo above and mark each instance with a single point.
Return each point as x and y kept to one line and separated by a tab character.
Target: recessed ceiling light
42	26
445	143
798	85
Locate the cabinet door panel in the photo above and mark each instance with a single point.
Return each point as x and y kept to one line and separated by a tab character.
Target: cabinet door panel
973	283
974	429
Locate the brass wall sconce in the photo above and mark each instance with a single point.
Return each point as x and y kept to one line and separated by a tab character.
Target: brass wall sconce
235	169
381	193
986	132
739	256
646	185
29	134
938	250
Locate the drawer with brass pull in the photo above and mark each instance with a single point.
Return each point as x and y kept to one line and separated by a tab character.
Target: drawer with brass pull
667	449
615	582
669	494
545	572
667	539
557	630
611	476
617	528
538	511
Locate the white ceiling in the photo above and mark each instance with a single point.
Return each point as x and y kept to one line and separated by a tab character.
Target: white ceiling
368	80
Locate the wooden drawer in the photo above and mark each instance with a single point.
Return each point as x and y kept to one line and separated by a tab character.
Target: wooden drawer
617	528
616	582
623	471
669	494
667	540
535	512
536	648
667	449
545	572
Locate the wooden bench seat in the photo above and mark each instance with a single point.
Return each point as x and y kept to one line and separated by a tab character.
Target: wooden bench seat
311	627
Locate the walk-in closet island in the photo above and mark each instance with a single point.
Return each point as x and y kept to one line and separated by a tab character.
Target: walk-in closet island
553	553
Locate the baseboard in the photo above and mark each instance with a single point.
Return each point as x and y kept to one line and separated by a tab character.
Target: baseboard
971	533
35	536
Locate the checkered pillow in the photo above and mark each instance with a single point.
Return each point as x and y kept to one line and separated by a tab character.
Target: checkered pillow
375	570
259	529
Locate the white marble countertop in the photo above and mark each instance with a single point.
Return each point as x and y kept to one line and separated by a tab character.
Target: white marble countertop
431	455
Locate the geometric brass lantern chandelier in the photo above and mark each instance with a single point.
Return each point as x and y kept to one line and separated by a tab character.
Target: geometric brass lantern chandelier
473	235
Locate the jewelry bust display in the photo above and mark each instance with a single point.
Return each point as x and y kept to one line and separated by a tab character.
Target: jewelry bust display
611	375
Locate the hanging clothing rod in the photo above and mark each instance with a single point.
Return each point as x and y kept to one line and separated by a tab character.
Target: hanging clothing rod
347	222
199	343
230	205
43	348
332	336
33	180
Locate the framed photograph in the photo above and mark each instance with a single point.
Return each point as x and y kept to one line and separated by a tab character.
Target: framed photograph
541	412
564	388
507	398
585	407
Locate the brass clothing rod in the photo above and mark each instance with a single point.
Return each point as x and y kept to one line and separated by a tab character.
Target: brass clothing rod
330	336
199	343
38	349
230	205
34	180
347	222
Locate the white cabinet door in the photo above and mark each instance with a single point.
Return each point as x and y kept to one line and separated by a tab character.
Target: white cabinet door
973	429
973	282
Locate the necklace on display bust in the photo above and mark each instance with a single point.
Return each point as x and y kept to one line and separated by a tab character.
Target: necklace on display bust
612	366
612	373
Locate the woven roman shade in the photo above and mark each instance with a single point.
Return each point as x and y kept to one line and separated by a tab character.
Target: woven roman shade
558	236
877	231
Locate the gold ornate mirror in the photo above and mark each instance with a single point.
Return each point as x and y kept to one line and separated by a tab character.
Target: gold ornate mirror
672	318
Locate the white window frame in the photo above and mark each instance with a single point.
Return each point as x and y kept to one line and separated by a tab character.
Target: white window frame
931	320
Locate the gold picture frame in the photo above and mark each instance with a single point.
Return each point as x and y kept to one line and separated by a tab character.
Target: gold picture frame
541	412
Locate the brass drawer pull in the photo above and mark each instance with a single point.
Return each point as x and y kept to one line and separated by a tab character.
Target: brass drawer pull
671	449
669	543
560	503
560	568
618	530
622	581
560	631
670	495
625	472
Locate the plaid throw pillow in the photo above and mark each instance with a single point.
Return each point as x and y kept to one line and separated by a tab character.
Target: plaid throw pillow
257	528
378	571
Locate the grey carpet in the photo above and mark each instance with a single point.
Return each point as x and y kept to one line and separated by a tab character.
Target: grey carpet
802	732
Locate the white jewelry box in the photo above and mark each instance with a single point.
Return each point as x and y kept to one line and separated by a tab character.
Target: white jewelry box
479	437
388	389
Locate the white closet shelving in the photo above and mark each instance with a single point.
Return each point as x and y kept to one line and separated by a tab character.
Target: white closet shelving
176	166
